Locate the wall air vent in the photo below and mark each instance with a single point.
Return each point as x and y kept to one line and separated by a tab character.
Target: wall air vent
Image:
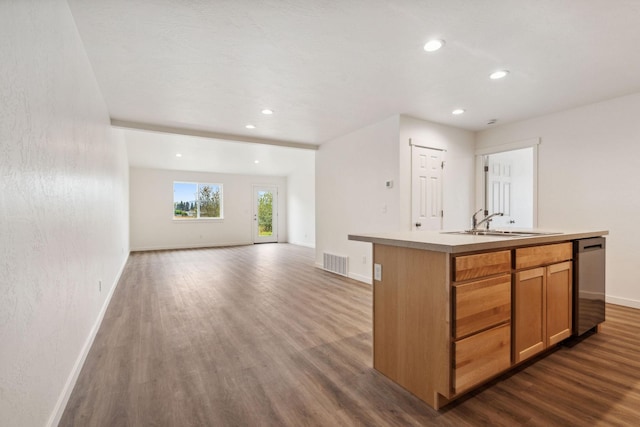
335	263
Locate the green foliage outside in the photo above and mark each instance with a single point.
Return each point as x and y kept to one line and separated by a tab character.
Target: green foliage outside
184	206
207	203
209	198
265	213
185	209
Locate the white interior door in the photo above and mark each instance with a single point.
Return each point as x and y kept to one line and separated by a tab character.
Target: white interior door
509	188
499	190
426	188
265	214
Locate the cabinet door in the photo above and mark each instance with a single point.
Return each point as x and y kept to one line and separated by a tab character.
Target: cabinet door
530	313
558	302
481	356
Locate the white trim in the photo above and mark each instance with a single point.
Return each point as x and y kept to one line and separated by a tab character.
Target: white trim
63	399
354	276
360	278
626	302
425	146
525	143
191	220
306	245
189	246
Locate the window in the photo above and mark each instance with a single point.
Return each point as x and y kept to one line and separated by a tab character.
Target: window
197	201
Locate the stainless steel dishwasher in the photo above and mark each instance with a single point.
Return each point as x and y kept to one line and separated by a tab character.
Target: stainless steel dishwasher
588	284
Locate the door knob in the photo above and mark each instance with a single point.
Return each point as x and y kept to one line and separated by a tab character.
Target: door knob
418	224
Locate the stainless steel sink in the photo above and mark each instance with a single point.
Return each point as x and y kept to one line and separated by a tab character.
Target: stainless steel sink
501	233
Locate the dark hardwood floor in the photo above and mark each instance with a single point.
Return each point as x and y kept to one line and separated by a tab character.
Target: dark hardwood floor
257	336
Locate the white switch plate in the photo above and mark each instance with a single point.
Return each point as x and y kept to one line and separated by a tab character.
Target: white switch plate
377	272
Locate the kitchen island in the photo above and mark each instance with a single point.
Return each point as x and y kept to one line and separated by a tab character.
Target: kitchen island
453	311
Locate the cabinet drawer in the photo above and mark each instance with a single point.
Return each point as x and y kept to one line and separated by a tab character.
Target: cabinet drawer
537	256
481	304
481	357
481	265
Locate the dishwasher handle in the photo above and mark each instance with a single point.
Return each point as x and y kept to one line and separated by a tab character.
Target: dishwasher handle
594	244
592	247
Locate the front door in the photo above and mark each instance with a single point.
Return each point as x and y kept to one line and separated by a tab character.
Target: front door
265	214
426	188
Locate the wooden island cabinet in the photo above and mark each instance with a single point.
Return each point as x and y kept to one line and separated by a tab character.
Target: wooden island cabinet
542	294
481	318
452	312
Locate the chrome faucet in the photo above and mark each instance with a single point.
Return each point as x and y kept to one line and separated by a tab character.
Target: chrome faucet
486	220
474	220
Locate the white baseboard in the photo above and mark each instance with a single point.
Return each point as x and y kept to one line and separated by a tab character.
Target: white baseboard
188	246
306	245
354	276
361	278
61	405
623	301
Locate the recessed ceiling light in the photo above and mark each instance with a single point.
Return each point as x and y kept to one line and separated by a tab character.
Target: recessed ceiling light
267	111
457	111
256	161
433	45
178	155
498	74
250	126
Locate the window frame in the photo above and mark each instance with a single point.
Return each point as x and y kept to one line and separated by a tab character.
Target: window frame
197	217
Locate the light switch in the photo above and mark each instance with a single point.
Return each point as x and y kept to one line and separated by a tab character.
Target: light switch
377	272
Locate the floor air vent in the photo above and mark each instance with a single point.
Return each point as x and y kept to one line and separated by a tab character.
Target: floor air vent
335	263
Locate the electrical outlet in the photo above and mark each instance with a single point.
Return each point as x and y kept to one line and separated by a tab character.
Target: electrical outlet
377	272
364	259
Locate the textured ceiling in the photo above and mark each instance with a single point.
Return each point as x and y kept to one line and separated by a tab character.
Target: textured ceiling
158	151
330	67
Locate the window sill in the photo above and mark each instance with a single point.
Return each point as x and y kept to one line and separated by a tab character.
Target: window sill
196	220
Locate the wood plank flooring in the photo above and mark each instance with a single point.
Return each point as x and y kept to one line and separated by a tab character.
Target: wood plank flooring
257	336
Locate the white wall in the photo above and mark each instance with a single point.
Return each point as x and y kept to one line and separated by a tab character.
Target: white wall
63	204
350	193
588	175
151	201
458	177
301	202
351	196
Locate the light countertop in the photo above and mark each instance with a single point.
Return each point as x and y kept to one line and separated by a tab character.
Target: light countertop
457	243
